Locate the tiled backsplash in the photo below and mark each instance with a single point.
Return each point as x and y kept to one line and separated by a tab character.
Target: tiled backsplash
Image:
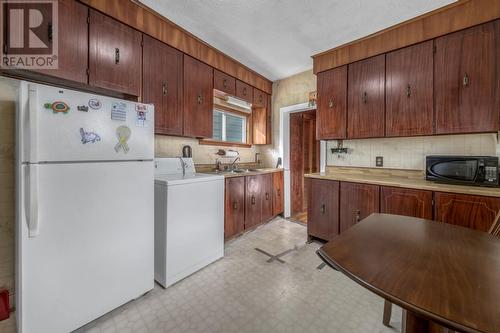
409	153
171	146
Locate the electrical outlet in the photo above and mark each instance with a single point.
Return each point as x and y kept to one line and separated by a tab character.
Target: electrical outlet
379	161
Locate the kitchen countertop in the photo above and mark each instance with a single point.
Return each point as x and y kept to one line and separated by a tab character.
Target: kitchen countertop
399	178
260	171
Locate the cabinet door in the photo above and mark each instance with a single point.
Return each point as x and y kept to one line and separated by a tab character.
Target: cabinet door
162	85
366	98
323	208
267	196
253	202
244	91
409	91
407	202
357	201
269	122
331	112
115	55
467	74
198	99
73	45
234	217
475	212
259	98
278	192
259	125
224	82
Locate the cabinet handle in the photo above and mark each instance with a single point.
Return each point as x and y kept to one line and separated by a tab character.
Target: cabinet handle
358	215
267	196
49	32
465	80
245	91
408	91
323	209
330	103
117	56
260	98
224	83
164	89
253	200
365	97
200	99
235	205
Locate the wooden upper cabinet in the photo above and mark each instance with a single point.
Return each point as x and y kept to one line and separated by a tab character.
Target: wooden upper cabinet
73	42
331	112
234	217
409	91
259	98
224	82
162	85
253	201
278	185
198	98
475	212
366	98
407	202
259	126
467	76
323	208
357	201
115	55
267	196
244	91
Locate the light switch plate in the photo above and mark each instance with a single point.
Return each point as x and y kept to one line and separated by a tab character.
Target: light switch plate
379	161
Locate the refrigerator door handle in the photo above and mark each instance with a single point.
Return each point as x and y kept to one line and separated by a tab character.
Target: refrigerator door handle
33	222
33	123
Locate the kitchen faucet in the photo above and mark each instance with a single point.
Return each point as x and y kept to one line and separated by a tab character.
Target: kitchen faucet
233	165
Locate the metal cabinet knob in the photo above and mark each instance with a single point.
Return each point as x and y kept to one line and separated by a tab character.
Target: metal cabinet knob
408	90
330	103
465	80
200	99
117	56
323	209
253	200
235	205
164	88
365	97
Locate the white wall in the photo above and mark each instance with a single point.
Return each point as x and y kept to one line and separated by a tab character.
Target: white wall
409	153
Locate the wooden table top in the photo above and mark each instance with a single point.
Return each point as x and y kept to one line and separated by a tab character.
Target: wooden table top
446	273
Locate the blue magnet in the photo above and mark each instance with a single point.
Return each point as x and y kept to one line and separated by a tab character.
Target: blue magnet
87	137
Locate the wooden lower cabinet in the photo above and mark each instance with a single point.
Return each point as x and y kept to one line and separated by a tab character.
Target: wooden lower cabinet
234	203
475	212
357	201
407	202
250	201
266	196
323	209
278	185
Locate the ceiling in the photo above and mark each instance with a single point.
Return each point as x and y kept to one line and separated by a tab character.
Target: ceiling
277	38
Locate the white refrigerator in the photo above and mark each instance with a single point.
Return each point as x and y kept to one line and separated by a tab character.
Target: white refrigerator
85	209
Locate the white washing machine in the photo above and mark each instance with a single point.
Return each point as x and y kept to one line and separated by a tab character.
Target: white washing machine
189	219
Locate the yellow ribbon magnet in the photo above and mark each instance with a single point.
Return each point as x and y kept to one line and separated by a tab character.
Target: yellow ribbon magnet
123	134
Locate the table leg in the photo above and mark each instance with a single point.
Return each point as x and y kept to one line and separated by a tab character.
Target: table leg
387	313
413	323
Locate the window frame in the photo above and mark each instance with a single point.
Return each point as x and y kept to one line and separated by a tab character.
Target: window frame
247	118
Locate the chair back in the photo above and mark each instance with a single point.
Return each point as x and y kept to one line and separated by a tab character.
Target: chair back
495	227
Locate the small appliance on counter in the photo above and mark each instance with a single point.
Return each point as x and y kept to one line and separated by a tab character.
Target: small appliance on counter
187	152
462	170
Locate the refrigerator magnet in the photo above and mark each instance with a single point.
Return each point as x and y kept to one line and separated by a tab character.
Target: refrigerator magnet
57	107
123	134
95	104
119	111
89	137
83	108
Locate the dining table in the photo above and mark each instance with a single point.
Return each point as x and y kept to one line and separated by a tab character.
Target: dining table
442	275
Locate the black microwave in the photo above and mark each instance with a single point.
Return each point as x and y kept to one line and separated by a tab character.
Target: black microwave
462	170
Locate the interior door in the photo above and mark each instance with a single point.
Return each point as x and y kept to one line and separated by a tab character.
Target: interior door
84	262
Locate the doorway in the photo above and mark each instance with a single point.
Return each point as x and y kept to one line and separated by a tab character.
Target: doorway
304	158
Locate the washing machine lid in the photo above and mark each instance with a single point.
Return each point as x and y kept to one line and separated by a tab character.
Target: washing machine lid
176	179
